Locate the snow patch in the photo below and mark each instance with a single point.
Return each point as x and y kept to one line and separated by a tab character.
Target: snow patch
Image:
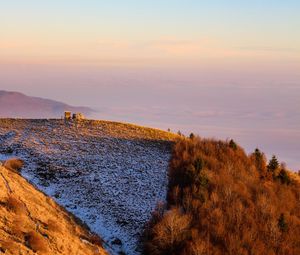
112	184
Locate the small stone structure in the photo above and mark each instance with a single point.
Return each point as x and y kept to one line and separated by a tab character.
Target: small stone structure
74	116
78	116
68	115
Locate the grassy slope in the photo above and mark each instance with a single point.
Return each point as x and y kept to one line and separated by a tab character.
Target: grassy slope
122	167
32	222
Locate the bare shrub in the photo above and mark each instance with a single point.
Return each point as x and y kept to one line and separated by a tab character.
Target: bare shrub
170	233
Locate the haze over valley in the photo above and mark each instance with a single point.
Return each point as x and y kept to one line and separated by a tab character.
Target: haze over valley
137	127
267	117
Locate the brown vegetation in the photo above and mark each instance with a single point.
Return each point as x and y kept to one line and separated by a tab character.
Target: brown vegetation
15	205
221	201
32	223
14	164
36	242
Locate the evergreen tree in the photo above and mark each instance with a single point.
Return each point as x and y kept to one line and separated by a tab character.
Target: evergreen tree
284	177
258	154
198	164
282	225
260	161
232	144
273	164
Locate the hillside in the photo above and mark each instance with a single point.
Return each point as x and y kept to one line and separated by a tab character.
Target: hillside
32	223
222	201
18	105
111	175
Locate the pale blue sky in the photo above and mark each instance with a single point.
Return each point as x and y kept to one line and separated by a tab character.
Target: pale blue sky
217	68
242	22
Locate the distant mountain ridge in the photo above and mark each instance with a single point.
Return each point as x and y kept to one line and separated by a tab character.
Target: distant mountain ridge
18	105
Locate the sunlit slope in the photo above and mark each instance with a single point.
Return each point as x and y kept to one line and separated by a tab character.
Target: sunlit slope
32	223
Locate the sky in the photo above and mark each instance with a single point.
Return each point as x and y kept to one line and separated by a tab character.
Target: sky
224	69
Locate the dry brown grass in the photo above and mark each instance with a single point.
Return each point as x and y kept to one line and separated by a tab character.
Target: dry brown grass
52	226
31	223
36	242
93	238
9	247
14	164
234	205
18	228
15	205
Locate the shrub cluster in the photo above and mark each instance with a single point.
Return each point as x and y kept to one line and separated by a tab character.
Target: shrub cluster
222	201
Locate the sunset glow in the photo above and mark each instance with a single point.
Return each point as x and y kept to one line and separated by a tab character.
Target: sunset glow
135	32
161	63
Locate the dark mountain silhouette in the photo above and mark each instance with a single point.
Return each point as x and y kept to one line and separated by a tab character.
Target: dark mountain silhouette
18	105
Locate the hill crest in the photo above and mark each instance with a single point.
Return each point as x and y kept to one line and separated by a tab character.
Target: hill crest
109	174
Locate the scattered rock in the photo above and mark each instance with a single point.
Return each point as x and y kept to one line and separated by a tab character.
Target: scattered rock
116	241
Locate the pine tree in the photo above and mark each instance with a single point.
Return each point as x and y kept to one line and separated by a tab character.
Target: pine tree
284	177
260	162
232	144
282	225
273	164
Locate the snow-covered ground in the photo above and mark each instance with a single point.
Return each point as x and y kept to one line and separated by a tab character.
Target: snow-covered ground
109	175
3	157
